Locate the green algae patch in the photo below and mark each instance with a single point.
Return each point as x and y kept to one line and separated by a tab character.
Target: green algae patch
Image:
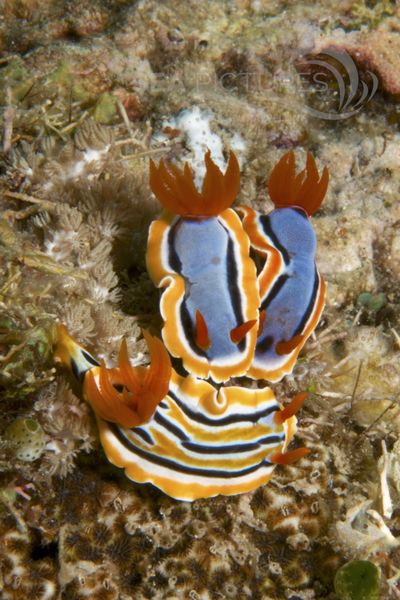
358	580
16	78
372	302
70	85
26	353
371	15
61	75
105	110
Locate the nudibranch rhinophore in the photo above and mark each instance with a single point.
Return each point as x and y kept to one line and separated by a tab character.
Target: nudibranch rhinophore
180	433
199	254
121	395
292	292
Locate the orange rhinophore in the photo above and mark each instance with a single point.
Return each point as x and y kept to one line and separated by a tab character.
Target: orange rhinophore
284	347
129	395
125	395
261	321
305	190
176	190
286	416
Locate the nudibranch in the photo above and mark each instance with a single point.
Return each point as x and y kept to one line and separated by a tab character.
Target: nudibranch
292	292
124	395
195	441
199	254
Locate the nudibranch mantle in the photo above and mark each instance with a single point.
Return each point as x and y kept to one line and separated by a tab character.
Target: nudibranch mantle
204	265
292	292
199	441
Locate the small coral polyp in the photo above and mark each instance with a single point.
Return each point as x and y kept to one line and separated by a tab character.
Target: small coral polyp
223	319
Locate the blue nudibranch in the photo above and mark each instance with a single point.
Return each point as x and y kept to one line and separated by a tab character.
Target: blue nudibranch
292	292
223	319
200	255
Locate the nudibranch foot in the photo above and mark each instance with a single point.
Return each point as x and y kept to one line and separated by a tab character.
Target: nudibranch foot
72	355
201	260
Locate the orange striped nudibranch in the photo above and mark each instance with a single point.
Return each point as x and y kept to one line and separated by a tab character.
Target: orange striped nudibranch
292	292
198	254
180	433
